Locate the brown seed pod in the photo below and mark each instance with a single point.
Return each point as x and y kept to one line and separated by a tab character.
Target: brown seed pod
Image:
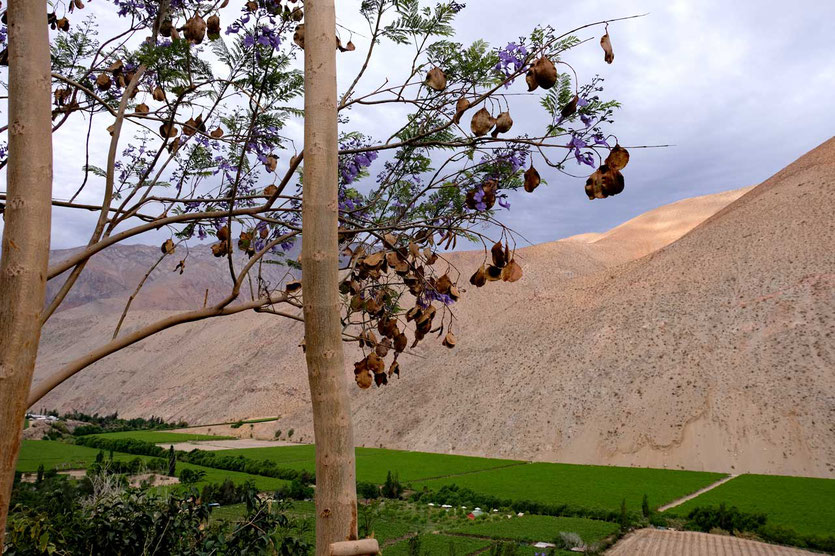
613	182
545	73
142	108
503	124
382	348
63	24
460	107
245	245
271	163
223	233
167	247
606	45
618	158
217	133
293	286
493	273
120	81
195	29
168	130
175	35
220	249
252	5
498	253
174	145
165	28
190	127
269	191
570	108
400	343
103	82
159	94
532	179
449	340
482	122
79	5
395	368
512	272
436	79
443	284
364	379
479	278
213	27
116	67
298	36
530	79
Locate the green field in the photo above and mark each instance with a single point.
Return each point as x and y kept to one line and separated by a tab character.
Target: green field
374	463
61	456
440	545
58	455
534	528
804	504
159	437
588	486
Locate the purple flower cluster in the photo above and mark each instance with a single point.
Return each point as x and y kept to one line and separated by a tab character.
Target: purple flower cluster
428	296
576	144
456	7
352	165
511	60
263	36
143	8
4	35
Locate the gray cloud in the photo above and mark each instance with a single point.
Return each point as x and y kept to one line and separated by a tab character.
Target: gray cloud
740	89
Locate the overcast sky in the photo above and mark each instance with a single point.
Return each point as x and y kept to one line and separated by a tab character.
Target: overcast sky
741	89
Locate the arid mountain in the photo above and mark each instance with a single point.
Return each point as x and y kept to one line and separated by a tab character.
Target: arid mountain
698	335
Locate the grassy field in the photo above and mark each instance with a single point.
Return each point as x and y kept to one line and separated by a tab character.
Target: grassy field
806	505
58	455
61	456
440	545
589	486
159	437
534	528
373	463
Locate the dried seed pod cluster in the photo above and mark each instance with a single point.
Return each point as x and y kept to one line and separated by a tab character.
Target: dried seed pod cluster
482	197
543	73
504	267
372	291
607	180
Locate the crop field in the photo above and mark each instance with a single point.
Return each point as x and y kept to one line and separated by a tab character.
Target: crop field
373	464
440	545
58	455
61	456
534	528
588	486
159	437
806	505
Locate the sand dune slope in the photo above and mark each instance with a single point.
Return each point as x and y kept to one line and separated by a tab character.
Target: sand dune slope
638	346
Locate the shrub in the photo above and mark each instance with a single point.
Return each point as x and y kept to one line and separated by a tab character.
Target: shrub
296	490
392	487
191	476
645	511
369	491
729	519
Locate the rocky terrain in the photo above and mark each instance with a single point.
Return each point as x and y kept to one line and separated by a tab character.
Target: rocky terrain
698	335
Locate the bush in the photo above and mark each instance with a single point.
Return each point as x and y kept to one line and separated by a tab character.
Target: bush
296	490
191	476
368	491
705	519
392	487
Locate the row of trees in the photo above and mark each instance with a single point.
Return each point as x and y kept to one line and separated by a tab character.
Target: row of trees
198	114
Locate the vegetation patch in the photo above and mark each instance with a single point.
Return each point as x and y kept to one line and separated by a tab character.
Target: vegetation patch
804	504
587	486
160	437
437	544
534	528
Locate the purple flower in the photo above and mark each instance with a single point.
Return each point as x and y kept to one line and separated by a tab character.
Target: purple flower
504	202
511	60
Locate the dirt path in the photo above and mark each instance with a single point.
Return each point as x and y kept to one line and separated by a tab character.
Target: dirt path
211	445
690	543
681	501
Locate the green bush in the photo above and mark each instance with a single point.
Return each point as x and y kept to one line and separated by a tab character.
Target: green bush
729	519
368	491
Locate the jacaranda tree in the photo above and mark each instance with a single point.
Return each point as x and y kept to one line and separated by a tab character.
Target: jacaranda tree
198	98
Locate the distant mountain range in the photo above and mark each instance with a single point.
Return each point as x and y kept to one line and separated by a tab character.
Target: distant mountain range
698	335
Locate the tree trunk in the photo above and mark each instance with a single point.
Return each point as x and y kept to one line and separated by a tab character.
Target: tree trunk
336	497
25	244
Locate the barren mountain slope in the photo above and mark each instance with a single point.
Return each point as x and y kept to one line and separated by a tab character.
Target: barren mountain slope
715	352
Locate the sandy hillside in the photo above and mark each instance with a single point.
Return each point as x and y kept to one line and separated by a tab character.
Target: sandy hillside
714	352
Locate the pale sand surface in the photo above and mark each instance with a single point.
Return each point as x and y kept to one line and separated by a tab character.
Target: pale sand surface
213	445
646	542
713	352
